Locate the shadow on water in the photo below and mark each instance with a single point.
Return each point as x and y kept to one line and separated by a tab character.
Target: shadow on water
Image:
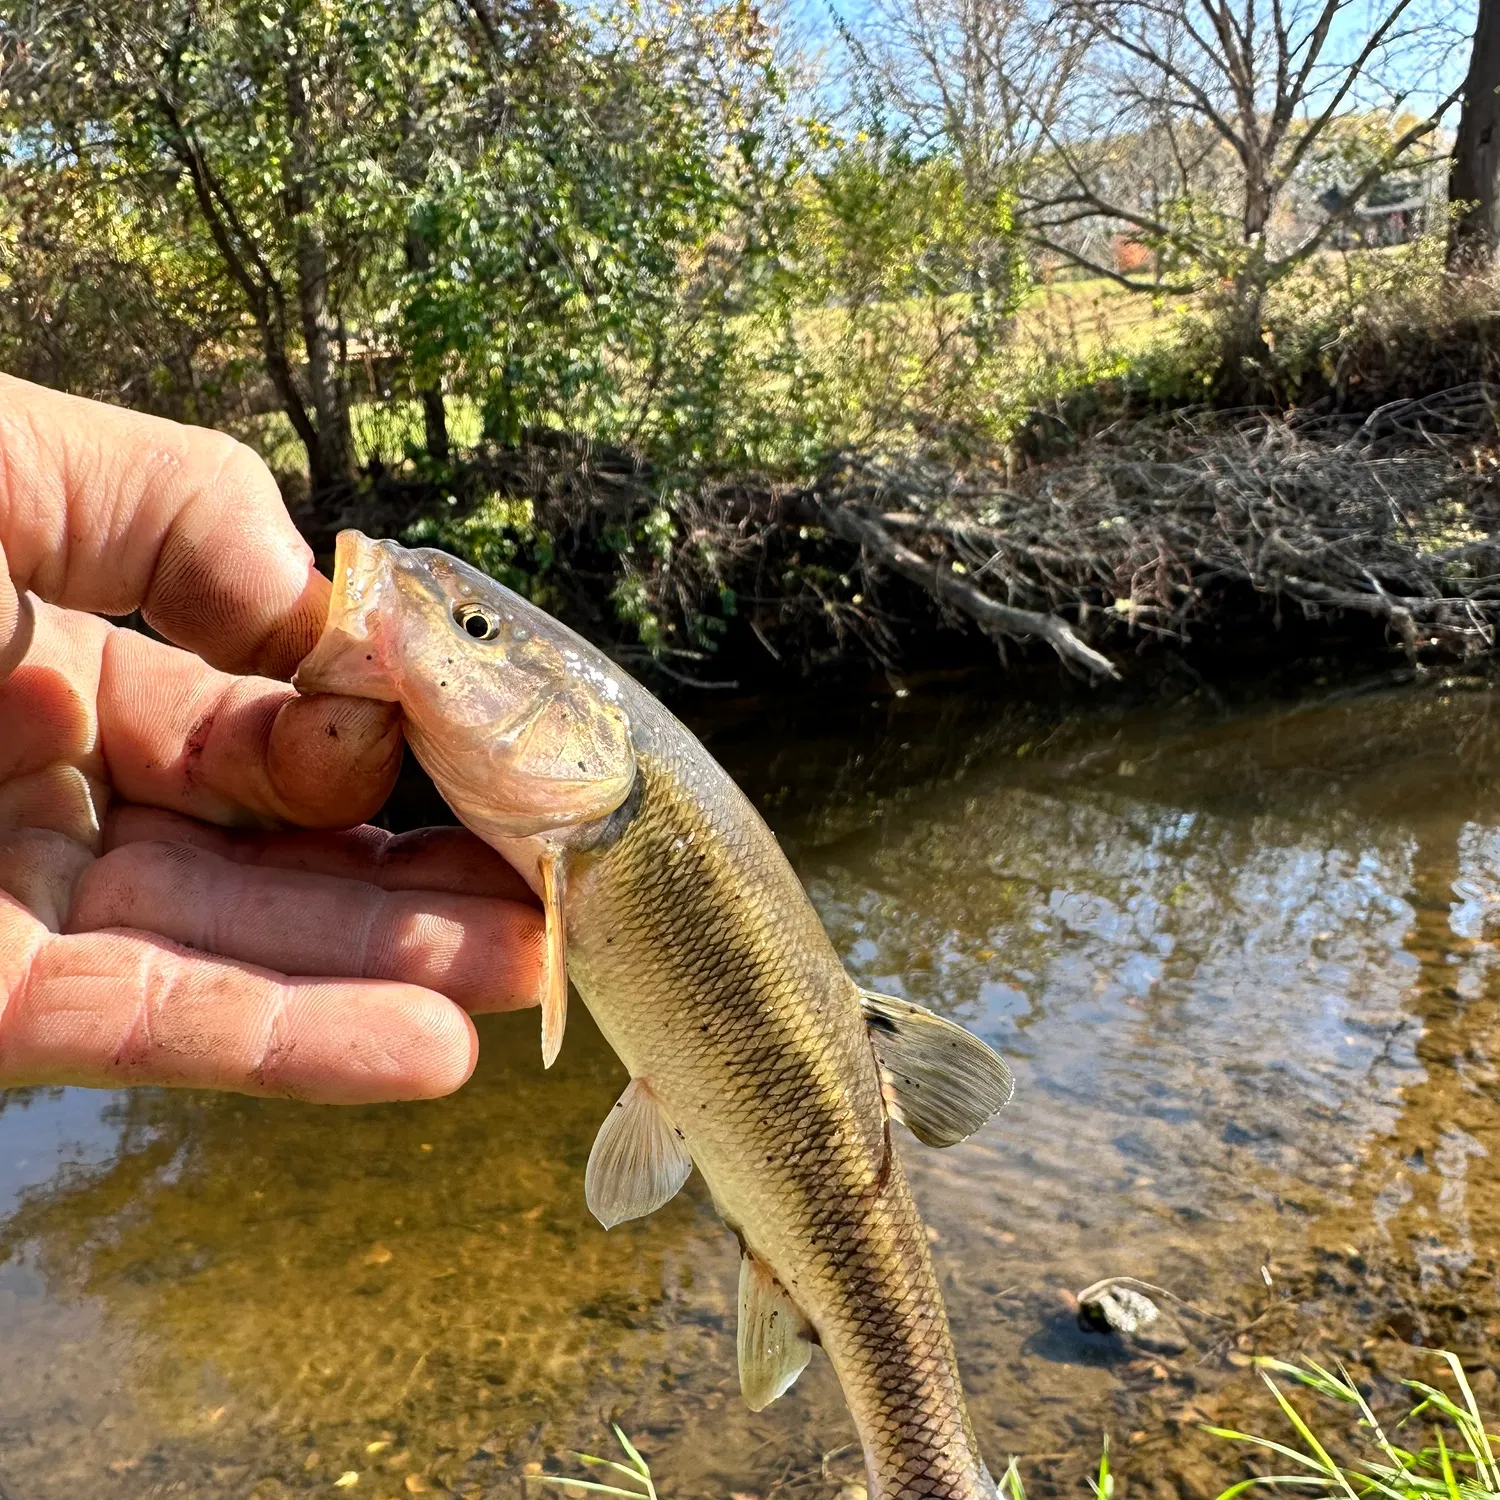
1242	961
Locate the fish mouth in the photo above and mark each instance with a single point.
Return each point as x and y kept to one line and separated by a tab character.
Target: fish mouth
353	656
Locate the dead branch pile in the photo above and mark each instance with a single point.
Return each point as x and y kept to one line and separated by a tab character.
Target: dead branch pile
1140	532
1147	525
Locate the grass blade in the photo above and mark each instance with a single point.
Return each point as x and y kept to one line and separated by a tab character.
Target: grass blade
1450	1482
630	1448
1104	1486
1271	1445
1489	1474
1269	1479
585	1484
1306	1434
609	1463
1011	1479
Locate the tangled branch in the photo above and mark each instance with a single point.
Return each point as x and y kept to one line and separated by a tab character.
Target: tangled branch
1141	531
1144	527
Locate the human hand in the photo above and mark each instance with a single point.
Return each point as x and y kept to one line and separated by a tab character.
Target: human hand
176	903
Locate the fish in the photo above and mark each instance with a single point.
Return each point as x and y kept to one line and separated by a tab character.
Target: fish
753	1055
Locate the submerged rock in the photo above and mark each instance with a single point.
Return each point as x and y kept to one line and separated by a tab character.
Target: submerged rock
1116	1309
1120	1305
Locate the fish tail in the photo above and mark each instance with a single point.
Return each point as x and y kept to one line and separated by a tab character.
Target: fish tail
893	1353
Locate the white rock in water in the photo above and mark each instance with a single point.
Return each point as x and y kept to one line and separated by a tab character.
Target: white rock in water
1124	1310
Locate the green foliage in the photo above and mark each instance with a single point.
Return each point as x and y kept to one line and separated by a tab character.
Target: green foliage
1459	1464
499	535
585	260
636	1471
105	288
901	284
612	222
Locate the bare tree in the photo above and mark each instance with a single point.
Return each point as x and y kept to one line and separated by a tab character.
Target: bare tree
1192	121
982	78
1474	179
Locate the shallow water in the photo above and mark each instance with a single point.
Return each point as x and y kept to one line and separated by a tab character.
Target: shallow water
1242	962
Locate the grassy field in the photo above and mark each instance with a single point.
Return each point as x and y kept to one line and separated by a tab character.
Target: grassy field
1092	315
382	429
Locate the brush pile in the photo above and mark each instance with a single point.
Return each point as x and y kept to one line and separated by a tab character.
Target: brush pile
1140	530
1138	533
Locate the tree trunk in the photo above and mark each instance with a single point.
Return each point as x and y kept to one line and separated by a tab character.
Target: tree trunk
429	393
263	296
1257	203
1243	372
332	461
1474	178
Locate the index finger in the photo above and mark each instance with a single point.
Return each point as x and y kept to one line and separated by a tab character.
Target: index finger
112	1008
108	510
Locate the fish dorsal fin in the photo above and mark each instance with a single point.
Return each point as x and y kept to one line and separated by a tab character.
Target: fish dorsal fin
555	975
773	1344
638	1162
941	1081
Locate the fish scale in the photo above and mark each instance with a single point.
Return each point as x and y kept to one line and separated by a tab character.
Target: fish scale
753	1056
744	1004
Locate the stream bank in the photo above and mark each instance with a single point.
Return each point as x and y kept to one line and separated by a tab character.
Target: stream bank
1220	541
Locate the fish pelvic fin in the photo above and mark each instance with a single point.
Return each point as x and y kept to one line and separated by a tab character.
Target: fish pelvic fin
773	1343
555	976
940	1081
639	1160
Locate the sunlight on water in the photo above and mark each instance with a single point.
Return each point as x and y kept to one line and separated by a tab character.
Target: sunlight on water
1243	966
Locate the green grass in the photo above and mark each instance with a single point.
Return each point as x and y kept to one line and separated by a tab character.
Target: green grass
1458	1465
893	357
1092	315
636	1471
384	429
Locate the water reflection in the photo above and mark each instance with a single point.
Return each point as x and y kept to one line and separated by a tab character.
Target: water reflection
1243	966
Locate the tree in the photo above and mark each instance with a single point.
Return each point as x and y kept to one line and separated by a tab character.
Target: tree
96	301
980	79
1474	177
558	216
244	121
1191	120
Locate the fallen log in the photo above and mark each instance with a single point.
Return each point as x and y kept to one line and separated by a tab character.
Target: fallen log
1143	532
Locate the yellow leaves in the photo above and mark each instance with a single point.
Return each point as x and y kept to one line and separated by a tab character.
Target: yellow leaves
347	1480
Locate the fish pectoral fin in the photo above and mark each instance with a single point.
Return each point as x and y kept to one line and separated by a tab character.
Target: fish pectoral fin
773	1343
638	1162
941	1081
555	976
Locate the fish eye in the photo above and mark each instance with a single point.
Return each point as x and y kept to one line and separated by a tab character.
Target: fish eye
476	621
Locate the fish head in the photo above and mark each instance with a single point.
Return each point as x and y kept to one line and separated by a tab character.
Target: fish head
517	721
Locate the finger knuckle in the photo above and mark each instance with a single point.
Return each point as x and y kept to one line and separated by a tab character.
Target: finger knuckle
237	468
